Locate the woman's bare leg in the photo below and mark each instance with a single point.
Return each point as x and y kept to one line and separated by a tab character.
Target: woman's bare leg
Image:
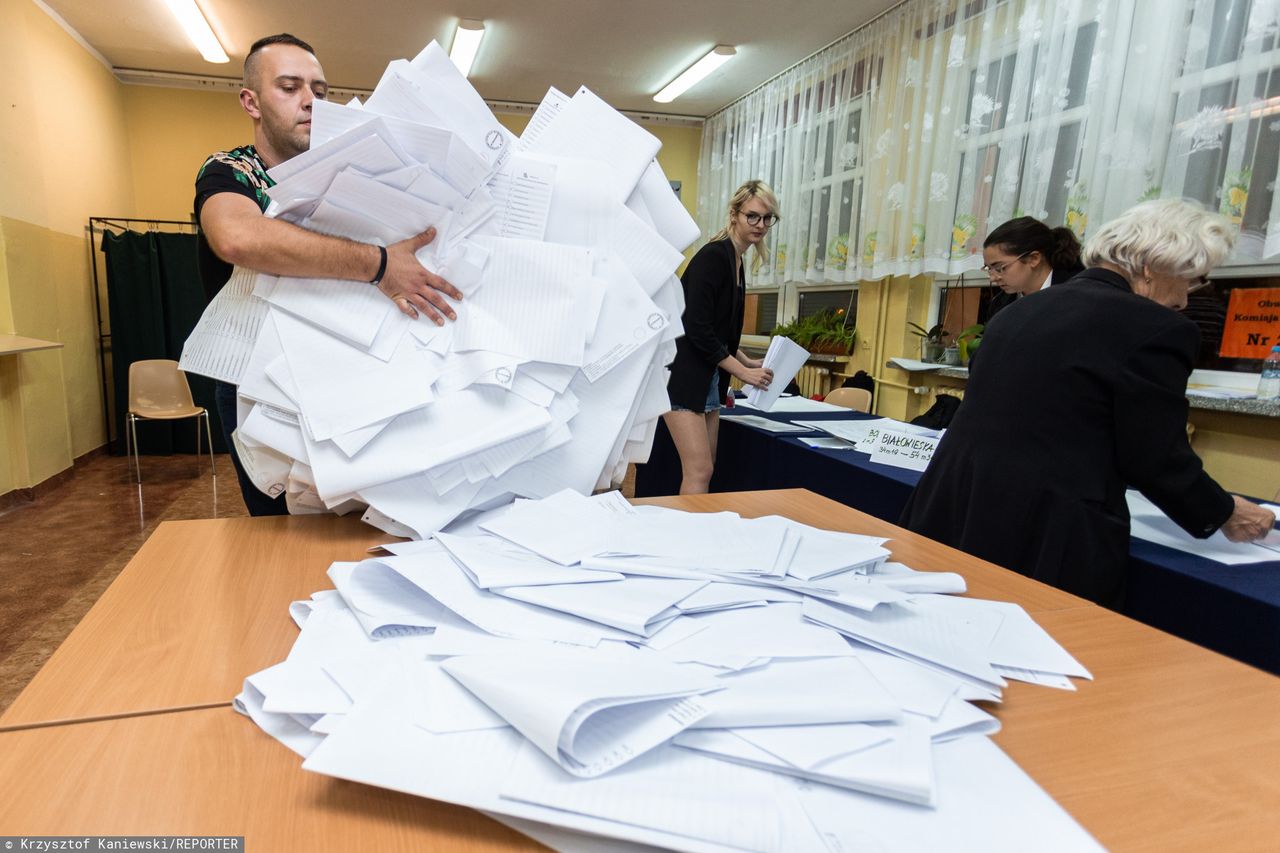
689	431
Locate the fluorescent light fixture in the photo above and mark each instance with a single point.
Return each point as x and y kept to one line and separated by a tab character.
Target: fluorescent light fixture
466	44
696	73
197	29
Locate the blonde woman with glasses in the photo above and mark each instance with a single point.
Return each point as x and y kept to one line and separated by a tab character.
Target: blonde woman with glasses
708	354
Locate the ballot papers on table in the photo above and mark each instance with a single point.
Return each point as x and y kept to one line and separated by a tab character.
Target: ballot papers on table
594	673
564	244
785	358
1147	521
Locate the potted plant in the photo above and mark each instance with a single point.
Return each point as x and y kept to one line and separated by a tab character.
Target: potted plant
933	342
825	332
968	341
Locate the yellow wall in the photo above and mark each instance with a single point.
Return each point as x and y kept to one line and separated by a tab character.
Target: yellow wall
171	132
65	155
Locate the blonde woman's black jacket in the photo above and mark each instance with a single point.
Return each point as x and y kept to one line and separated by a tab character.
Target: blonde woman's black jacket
713	305
1078	391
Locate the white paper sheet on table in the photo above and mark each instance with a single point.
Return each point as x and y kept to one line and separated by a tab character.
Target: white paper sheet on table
917	633
800	692
564	527
776	631
384	603
797	403
380	745
635	605
764	423
806	747
785	358
494	562
1147	522
829	442
589	716
678	791
1000	814
438	574
899	768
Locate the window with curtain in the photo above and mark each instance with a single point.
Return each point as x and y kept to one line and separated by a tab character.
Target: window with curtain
895	150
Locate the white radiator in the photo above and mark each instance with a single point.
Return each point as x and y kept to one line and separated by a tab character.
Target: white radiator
814	380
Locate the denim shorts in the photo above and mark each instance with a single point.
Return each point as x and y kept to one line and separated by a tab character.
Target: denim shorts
713	397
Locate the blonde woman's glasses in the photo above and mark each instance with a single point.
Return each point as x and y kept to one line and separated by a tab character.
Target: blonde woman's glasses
756	218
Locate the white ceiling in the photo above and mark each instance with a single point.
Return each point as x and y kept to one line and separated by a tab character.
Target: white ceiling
624	50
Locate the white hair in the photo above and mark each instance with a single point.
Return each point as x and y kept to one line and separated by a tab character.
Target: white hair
1170	236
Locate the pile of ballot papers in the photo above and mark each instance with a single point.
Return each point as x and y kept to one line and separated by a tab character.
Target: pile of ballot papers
564	243
583	670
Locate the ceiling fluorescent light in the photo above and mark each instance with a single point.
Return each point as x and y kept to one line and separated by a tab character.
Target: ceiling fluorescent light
466	44
197	29
696	73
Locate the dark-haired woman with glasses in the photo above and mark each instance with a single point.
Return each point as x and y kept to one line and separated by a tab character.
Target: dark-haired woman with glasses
708	354
1024	255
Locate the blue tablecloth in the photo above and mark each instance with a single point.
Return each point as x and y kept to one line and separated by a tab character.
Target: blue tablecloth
1234	610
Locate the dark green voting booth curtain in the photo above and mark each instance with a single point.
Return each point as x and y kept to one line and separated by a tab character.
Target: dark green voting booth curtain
153	287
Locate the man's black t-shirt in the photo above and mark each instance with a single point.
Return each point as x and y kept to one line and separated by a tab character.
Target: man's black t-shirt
240	171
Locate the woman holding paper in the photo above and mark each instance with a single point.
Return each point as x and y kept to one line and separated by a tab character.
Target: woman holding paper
1080	393
708	353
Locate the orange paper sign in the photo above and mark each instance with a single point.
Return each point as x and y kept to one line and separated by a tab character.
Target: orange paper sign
1253	323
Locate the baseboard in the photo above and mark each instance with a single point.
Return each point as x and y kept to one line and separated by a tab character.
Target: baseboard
27	495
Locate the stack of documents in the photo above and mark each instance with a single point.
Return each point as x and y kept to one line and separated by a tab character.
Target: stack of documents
564	242
594	673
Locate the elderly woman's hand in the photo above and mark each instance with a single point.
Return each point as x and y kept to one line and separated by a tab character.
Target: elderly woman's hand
1248	522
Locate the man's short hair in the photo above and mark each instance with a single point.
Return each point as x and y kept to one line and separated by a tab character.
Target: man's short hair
251	60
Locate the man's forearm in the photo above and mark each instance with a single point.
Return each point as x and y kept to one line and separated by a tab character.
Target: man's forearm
281	248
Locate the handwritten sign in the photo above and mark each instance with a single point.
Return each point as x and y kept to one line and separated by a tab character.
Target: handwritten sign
1253	323
903	450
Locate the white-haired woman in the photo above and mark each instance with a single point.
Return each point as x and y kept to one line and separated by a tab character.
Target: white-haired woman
708	353
1078	393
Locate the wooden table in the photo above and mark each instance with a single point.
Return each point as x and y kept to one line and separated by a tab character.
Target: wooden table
10	344
212	772
200	606
1172	747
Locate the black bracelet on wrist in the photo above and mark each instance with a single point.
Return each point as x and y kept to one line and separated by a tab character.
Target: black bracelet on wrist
382	267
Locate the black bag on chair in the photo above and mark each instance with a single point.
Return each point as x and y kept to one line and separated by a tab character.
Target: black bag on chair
861	379
940	413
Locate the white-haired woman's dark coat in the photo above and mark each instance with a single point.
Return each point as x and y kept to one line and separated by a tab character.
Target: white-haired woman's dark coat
1077	391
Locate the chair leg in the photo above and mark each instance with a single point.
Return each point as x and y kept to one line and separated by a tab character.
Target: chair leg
132	432
137	462
213	469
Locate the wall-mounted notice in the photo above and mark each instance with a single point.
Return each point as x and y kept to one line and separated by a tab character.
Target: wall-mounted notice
1253	323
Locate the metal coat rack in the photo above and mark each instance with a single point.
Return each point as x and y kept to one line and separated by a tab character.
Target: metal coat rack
100	224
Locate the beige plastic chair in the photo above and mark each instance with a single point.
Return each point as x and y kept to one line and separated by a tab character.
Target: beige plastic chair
158	391
858	399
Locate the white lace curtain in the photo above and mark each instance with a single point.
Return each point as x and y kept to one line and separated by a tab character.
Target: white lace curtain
897	149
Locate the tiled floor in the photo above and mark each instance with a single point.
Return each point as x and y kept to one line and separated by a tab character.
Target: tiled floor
59	553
